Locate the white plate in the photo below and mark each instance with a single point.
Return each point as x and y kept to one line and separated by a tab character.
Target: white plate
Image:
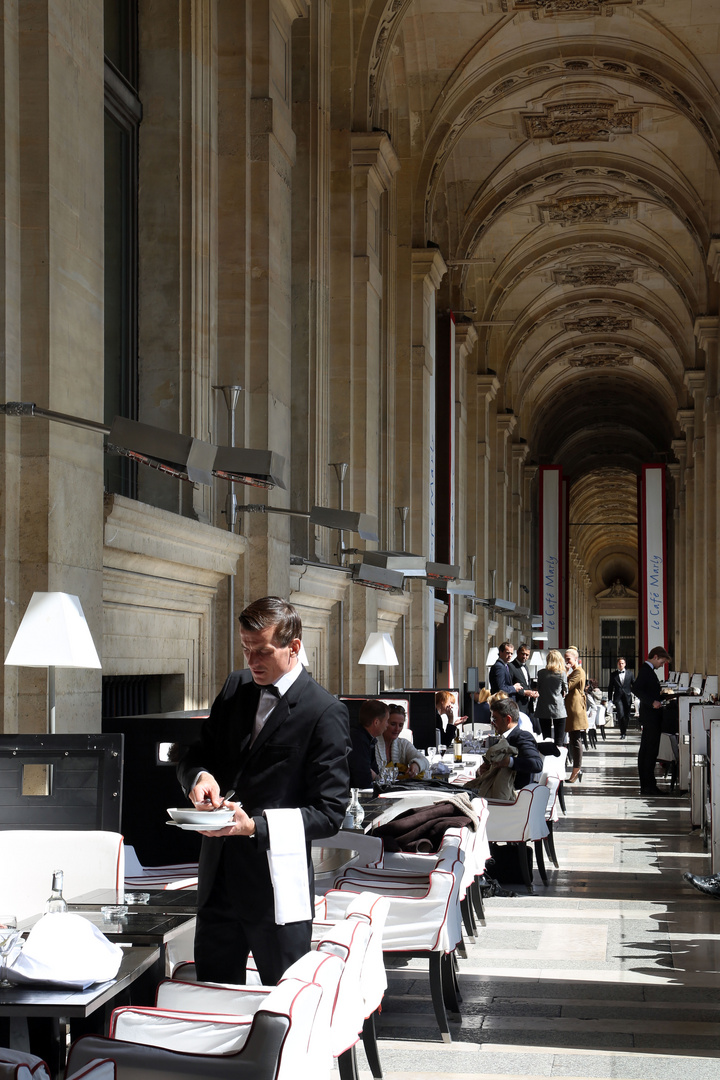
188	815
199	828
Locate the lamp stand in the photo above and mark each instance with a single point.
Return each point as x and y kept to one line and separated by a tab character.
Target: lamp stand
231	393
51	700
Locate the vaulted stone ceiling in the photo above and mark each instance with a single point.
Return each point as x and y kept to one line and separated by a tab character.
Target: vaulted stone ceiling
565	159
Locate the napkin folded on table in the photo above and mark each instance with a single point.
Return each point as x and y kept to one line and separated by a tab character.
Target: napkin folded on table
287	859
66	950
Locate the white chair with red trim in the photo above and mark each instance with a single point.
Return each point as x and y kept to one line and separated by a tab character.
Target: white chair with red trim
257	1034
92	859
521	822
553	775
424	920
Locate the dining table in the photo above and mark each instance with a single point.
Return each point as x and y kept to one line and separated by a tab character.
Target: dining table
53	1014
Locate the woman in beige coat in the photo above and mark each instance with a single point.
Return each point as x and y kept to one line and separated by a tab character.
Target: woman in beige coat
577	720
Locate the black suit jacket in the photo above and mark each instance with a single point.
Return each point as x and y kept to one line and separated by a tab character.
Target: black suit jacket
616	691
528	758
500	679
647	689
518	675
299	759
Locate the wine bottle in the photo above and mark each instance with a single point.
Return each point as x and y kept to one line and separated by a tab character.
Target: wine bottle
56	902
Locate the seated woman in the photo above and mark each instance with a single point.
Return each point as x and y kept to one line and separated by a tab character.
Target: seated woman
446	723
400	751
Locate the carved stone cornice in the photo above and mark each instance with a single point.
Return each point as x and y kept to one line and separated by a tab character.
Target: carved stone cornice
519	452
591	209
488	385
580	121
686	420
606	274
428	263
706	330
372	150
465	336
318	586
506	422
713	258
694	381
598	324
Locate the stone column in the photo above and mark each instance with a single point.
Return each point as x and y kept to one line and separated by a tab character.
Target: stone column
695	383
519	452
53	349
504	427
479	464
706	332
417	428
465	341
529	570
675	645
686	420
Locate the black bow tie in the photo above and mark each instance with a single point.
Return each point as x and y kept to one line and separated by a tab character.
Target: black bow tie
272	689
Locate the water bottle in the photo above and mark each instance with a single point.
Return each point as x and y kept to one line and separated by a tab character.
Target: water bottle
355	814
56	901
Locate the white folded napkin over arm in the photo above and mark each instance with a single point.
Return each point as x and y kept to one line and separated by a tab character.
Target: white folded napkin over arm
287	859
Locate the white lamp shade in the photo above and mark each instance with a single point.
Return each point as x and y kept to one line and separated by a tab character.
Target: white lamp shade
492	656
379	650
538	659
303	656
53	633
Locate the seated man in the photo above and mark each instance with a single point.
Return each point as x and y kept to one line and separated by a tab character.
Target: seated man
527	759
364	732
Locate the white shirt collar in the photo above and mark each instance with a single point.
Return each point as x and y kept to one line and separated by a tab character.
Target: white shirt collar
285	681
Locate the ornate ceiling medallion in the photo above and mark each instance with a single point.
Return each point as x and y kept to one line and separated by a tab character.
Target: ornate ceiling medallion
599	359
580	121
565	7
594	274
597	324
604	209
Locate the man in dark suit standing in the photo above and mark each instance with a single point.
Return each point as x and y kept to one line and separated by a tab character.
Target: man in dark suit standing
500	675
526	759
620	694
647	689
526	696
280	741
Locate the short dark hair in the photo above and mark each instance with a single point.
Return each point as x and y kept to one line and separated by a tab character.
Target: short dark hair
660	652
506	708
506	645
371	710
622	658
272	611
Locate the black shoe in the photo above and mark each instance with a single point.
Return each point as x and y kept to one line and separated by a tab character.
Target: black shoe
622	737
708	885
651	791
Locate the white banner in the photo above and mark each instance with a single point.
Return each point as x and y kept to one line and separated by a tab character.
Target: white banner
551	568
653	556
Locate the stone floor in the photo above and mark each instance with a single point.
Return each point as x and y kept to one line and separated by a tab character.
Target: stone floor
611	971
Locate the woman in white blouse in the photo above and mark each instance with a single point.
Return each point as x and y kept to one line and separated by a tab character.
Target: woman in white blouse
390	747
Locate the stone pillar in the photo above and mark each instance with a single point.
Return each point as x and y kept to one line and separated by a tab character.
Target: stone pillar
504	427
529	570
695	383
706	332
52	323
519	452
428	270
686	420
676	579
479	462
465	341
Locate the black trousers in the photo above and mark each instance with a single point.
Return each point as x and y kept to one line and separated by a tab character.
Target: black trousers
622	710
558	726
232	924
649	747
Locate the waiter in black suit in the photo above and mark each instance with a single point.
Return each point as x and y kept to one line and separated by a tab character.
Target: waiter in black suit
280	741
500	676
620	694
526	696
647	689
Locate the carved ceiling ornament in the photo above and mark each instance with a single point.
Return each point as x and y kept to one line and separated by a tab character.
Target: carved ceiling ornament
596	63
598	324
545	8
580	121
591	209
598	360
595	274
385	27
